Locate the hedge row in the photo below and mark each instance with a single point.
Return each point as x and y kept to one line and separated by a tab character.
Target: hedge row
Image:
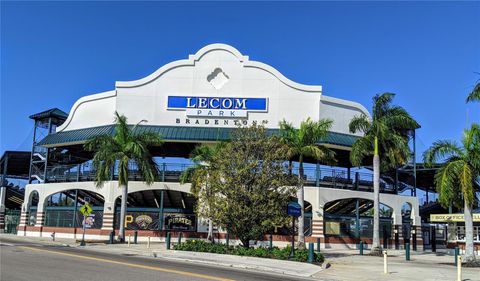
274	253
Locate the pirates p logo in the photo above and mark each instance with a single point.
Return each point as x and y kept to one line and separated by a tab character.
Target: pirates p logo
143	221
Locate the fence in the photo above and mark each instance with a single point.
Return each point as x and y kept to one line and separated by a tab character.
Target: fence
170	172
346	226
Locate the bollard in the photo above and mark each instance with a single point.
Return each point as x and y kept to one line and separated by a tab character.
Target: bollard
227	240
270	240
128	240
459	268
407	251
135	237
179	238
361	248
111	236
168	241
318	244
457	251
385	262
148	242
310	253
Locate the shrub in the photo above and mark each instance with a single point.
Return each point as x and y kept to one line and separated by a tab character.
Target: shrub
274	253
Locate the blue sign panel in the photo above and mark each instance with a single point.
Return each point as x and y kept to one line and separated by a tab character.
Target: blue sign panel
249	104
294	209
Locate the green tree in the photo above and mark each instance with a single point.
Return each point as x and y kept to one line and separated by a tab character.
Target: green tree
474	94
302	143
386	135
201	156
248	184
123	148
457	179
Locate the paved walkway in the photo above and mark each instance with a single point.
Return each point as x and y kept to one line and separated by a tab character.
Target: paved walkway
349	265
345	264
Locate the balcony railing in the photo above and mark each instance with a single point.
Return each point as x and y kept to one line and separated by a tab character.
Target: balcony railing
170	172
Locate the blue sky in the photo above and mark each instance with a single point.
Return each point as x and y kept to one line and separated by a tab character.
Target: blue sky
53	53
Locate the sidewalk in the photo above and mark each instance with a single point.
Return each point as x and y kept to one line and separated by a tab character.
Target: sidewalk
349	265
345	264
158	250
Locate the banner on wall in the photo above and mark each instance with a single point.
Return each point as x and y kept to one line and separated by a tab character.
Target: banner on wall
180	222
151	221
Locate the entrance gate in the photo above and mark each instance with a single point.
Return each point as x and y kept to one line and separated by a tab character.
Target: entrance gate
12	219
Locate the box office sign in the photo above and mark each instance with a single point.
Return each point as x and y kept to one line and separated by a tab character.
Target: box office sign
452	218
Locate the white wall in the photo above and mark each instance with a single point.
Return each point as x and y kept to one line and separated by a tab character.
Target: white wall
147	98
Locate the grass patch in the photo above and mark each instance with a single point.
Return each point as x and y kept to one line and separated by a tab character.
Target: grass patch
274	253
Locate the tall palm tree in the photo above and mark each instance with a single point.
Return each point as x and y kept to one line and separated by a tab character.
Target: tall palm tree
303	142
474	94
123	148
386	135
201	156
458	179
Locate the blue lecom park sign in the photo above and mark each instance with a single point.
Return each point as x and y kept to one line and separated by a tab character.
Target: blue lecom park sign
217	106
294	209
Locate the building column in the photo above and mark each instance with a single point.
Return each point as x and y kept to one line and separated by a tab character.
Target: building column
23	216
108	216
3	192
40	214
397	227
317	223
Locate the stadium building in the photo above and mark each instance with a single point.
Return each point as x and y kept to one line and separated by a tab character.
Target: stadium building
189	102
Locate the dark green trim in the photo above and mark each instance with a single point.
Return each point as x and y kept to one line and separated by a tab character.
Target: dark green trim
53	112
173	133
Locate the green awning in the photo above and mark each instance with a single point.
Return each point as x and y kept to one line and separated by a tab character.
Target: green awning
53	112
172	134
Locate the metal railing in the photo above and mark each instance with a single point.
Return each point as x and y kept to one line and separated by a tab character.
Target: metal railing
170	172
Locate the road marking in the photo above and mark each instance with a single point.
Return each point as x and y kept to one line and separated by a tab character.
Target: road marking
179	272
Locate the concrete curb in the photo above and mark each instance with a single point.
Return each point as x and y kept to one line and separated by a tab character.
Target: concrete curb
291	268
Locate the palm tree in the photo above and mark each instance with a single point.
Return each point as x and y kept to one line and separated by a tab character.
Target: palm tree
123	148
474	94
304	143
387	135
458	178
201	156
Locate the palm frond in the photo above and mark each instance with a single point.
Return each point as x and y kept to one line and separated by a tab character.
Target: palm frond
381	104
441	150
359	123
474	94
446	183
361	148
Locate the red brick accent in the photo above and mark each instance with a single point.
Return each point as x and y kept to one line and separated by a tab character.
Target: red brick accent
317	228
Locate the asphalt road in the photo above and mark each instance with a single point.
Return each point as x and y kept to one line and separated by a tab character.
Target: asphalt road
31	261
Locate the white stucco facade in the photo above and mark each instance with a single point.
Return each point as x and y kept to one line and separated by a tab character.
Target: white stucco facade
215	71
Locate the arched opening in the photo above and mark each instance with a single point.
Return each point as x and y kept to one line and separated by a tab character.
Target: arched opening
353	218
32	206
62	209
158	210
